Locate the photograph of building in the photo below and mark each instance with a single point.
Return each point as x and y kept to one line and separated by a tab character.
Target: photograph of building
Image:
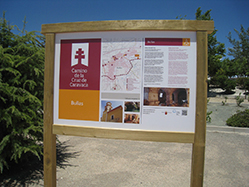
166	97
112	111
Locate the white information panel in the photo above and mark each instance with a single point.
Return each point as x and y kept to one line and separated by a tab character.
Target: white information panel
127	80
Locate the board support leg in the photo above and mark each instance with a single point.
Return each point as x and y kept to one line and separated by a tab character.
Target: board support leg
49	139
198	150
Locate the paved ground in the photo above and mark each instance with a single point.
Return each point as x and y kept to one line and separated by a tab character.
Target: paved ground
117	163
92	162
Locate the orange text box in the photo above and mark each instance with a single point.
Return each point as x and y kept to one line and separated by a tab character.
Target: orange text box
79	104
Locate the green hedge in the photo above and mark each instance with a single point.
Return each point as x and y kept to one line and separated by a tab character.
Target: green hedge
240	119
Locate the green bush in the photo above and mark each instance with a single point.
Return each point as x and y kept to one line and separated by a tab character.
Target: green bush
222	80
224	102
21	94
240	119
239	99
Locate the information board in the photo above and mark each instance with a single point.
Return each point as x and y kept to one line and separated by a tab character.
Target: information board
131	79
126	80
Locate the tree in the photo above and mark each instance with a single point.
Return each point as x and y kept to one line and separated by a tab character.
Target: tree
220	70
21	94
240	50
240	54
223	81
216	50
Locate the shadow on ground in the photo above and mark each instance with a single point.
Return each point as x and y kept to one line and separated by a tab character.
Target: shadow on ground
31	171
214	91
215	94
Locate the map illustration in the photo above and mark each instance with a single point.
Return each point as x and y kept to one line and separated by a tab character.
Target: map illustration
121	64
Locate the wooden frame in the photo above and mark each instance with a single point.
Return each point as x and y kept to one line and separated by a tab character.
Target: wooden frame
130	25
156	136
202	29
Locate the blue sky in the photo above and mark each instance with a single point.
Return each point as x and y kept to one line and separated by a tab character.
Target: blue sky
227	14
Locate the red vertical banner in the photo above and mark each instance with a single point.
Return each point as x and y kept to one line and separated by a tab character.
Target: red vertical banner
79	81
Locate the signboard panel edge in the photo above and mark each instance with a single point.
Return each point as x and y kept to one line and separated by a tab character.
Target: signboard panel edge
124	134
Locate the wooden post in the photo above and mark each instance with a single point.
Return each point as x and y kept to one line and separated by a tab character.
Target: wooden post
49	141
198	151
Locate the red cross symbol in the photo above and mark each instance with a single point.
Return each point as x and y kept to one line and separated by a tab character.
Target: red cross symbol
80	55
